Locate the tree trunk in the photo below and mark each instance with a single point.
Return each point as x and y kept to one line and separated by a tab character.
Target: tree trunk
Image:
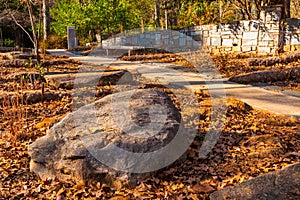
46	19
142	25
157	14
287	8
166	19
220	10
35	40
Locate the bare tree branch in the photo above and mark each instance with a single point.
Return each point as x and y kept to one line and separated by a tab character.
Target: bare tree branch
18	24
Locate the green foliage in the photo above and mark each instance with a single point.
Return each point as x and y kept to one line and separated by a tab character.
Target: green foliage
194	13
29	64
108	16
25	77
8	42
66	13
144	10
39	67
113	16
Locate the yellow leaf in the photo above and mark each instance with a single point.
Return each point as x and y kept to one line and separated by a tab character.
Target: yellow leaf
62	190
40	125
47	122
119	198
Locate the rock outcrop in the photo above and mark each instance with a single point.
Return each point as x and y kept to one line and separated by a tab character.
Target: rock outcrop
282	184
267	76
117	136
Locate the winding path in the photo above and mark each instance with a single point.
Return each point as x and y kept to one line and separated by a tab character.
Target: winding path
276	102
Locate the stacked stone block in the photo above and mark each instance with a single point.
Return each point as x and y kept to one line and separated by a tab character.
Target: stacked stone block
292	35
263	36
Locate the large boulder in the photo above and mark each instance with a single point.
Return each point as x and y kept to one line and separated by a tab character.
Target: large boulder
120	136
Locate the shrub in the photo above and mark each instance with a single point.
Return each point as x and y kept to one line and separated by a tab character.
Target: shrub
9	42
56	42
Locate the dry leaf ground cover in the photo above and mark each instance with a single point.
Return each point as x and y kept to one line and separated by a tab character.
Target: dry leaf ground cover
252	142
234	65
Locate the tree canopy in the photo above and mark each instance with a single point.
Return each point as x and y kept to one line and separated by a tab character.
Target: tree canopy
114	16
91	15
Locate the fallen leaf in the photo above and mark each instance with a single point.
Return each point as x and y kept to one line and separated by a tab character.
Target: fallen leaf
202	188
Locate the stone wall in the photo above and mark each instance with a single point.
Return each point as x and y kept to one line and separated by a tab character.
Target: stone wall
264	36
169	40
242	36
292	35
